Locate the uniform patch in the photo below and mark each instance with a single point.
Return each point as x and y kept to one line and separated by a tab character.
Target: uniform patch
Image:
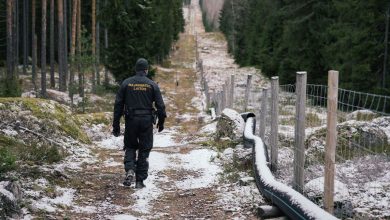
139	87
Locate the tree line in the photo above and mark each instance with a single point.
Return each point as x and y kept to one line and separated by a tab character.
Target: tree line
140	29
61	39
283	37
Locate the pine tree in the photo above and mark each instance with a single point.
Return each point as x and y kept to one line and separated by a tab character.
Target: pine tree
9	86
25	35
61	46
43	49
73	50
97	46
357	43
65	46
10	56
52	56
94	73
33	44
140	29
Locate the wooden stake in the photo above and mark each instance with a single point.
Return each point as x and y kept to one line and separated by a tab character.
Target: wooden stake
274	122
299	150
331	140
263	114
232	84
247	91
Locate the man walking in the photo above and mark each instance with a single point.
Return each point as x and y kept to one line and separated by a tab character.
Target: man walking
135	100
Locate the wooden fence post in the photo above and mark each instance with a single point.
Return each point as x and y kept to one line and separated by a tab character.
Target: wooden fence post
247	91
213	98
331	140
299	148
223	97
219	103
263	113
232	84
216	101
201	73
206	92
227	96
274	122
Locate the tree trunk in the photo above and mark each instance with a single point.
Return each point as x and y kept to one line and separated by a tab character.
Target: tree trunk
65	51
43	49
106	81
97	46
52	56
70	12
81	74
34	45
16	36
72	51
62	78
25	35
10	56
94	43
74	22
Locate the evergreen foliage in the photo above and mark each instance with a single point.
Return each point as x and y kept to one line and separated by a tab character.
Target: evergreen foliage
283	37
141	29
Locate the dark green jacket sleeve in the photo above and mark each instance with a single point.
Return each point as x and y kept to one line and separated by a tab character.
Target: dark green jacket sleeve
119	105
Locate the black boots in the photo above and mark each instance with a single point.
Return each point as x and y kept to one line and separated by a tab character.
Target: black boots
139	185
129	178
130	175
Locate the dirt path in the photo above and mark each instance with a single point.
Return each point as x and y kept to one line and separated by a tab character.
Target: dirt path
184	179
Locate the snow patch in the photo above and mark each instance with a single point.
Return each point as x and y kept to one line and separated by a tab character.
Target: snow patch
144	197
164	139
86	209
48	204
10	132
112	143
315	188
200	161
123	217
5	192
210	128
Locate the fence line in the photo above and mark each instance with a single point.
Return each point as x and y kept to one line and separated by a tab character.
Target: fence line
361	150
362	146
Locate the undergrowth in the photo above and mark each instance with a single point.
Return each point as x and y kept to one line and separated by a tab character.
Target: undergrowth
12	151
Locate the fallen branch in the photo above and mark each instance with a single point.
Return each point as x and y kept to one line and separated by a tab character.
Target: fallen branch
18	127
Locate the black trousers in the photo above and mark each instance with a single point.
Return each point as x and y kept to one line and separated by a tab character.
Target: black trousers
138	142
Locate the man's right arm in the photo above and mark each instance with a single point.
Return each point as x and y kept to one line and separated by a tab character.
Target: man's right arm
119	107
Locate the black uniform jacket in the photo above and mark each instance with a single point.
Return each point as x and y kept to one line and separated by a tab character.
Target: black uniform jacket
138	93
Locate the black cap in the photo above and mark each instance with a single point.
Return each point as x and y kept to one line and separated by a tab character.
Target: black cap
142	64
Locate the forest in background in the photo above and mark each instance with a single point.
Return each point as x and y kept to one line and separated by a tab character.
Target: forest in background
84	37
283	37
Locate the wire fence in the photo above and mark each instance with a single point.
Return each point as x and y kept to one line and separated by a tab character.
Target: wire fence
361	155
299	147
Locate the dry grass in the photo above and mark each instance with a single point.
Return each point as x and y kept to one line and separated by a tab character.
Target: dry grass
218	36
178	86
